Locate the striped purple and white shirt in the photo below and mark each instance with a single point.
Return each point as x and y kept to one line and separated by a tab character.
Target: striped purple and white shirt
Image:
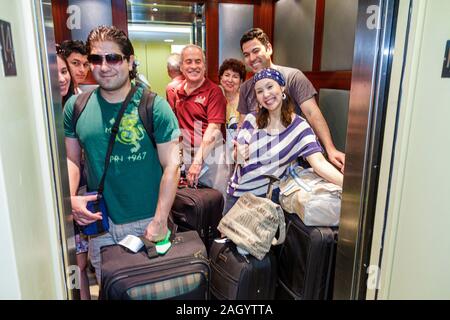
270	154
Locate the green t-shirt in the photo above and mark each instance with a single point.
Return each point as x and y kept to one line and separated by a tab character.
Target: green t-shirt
134	174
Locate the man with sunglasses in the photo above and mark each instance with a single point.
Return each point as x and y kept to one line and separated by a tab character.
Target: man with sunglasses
141	181
76	55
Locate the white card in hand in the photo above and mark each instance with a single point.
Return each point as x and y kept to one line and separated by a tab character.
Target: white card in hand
132	243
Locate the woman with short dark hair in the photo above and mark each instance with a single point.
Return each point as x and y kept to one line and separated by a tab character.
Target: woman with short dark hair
231	75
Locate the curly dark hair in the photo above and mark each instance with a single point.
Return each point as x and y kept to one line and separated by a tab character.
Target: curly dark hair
234	65
255	33
113	34
287	109
67	47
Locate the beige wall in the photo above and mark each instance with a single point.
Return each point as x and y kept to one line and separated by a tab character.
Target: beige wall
153	61
30	265
416	257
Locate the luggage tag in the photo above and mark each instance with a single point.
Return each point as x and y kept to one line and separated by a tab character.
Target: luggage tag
164	245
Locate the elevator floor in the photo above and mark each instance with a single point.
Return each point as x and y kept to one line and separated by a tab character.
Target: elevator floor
93	286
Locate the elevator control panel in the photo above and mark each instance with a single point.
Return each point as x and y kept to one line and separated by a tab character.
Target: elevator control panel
7	49
446	67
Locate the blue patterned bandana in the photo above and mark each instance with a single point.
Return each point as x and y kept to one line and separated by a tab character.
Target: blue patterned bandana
270	73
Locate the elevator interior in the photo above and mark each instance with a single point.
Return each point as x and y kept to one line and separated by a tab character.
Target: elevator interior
336	61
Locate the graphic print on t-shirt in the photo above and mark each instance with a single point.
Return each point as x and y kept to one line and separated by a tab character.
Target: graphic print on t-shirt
131	131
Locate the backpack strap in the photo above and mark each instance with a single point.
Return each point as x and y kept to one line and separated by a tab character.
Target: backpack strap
145	110
80	104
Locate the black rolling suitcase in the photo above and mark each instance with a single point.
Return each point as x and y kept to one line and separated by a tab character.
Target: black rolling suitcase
306	261
181	274
198	209
238	277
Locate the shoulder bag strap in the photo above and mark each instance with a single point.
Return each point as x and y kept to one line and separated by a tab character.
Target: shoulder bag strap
112	138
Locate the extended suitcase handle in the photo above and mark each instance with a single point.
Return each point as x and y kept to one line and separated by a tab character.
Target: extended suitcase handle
272	180
281	222
150	247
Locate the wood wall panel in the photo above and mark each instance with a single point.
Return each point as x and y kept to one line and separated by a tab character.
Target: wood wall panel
263	17
340	80
59	8
239	1
318	35
119	14
212	40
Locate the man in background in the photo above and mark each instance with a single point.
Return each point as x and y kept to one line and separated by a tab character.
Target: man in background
76	55
174	72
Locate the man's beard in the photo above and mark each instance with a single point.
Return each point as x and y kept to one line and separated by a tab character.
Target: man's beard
113	85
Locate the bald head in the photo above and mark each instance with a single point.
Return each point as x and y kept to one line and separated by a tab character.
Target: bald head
173	65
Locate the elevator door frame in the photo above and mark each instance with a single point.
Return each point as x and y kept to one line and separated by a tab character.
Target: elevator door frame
53	109
372	62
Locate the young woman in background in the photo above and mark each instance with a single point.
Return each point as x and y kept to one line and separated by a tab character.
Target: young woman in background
66	89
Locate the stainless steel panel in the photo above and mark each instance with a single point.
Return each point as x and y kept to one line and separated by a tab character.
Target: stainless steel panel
339	34
294	33
234	20
168	11
334	107
368	96
93	13
53	110
199	25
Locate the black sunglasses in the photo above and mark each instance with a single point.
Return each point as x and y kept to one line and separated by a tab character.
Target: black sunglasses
111	58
